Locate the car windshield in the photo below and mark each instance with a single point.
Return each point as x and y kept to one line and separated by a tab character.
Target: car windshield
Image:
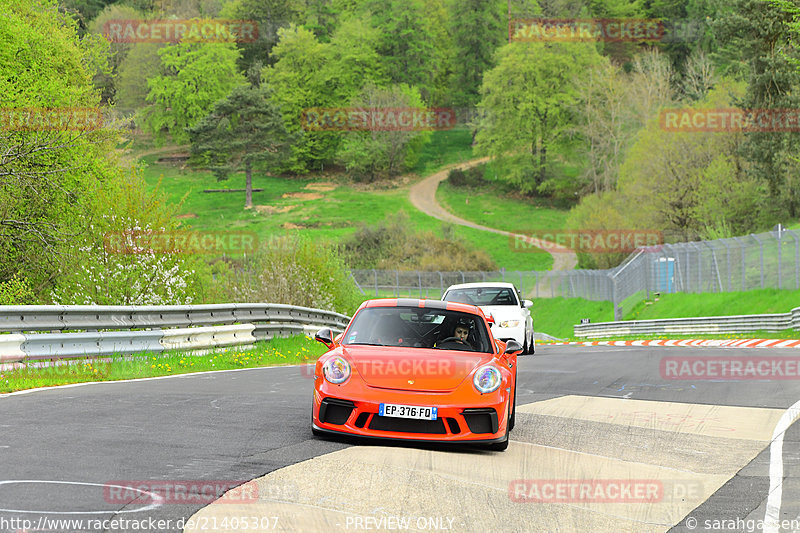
418	327
482	296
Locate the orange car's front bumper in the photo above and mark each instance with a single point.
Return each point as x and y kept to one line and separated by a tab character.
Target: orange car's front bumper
464	415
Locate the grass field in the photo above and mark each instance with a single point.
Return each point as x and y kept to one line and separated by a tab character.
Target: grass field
322	208
446	147
490	207
556	316
680	305
294	350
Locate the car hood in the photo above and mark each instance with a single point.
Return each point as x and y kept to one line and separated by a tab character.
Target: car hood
417	369
503	312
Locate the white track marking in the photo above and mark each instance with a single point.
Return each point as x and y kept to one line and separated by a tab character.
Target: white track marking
772	514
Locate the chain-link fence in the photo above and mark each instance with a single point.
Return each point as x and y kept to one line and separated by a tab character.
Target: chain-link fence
757	261
589	284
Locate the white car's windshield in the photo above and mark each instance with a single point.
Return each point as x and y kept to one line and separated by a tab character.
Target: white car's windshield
482	296
417	327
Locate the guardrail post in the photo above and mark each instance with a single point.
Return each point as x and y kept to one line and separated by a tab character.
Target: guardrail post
779	260
375	272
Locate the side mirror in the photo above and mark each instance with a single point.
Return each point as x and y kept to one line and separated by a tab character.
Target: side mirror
527	303
513	346
325	336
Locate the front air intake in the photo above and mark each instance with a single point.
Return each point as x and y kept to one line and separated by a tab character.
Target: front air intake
335	411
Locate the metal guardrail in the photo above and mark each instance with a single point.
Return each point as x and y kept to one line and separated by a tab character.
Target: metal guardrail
714	324
19	318
85	331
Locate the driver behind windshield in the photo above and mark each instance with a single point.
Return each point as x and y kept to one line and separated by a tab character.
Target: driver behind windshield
460	335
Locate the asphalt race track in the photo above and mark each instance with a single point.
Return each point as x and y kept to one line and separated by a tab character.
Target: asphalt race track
603	442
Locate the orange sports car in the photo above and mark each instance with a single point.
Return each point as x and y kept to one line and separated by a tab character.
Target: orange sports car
421	370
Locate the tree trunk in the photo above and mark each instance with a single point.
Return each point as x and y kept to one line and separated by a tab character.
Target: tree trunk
542	162
248	201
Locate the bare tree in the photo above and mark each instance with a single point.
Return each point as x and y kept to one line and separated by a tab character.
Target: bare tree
613	107
699	77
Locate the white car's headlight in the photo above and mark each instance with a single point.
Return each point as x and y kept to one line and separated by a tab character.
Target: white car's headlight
487	379
336	370
509	323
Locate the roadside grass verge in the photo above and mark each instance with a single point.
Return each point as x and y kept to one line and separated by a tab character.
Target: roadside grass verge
682	305
557	316
276	352
785	334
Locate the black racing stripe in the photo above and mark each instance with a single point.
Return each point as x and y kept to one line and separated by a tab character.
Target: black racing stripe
429	304
435	304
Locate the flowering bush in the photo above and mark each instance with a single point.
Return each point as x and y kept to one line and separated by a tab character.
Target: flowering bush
105	276
101	272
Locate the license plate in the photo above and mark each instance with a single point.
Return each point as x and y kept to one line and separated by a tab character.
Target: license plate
407	411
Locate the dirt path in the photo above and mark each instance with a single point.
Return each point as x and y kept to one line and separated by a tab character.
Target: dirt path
129	155
423	196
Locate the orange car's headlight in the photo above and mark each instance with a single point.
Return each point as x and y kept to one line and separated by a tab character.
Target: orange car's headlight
336	370
487	379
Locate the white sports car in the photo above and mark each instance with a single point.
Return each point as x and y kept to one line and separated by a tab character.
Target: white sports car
512	316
